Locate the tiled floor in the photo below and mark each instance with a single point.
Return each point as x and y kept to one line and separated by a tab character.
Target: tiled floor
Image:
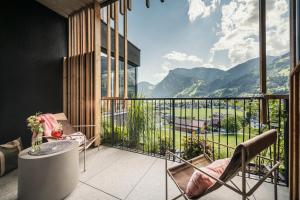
115	174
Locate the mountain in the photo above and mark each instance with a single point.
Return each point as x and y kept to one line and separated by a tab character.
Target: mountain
278	75
179	79
240	80
145	89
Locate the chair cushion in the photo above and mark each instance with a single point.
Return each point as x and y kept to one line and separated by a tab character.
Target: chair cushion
78	137
9	156
183	172
199	182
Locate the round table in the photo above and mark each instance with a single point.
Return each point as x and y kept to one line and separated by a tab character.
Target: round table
52	175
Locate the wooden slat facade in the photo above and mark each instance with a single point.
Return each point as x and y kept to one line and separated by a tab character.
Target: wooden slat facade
78	94
82	67
81	32
82	88
97	71
116	55
108	50
125	49
65	84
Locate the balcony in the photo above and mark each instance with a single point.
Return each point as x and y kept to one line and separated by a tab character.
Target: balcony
191	126
116	174
75	57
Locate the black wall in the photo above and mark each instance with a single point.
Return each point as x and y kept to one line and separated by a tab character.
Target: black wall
33	41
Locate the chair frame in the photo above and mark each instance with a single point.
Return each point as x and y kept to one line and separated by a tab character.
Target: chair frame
243	191
85	146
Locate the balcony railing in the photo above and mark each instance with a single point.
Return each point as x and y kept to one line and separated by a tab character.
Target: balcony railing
189	126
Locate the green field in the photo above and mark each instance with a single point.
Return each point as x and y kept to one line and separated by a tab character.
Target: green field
147	130
205	113
180	138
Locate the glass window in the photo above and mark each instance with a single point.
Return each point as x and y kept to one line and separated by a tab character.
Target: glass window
132	81
103	75
132	78
121	78
277	46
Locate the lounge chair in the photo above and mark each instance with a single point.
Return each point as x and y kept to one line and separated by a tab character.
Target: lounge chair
242	155
69	129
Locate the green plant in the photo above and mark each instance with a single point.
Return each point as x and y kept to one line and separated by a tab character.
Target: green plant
195	146
35	123
151	146
165	145
136	122
121	136
234	124
106	131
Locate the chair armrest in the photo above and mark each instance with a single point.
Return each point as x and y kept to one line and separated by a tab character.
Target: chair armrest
83	126
50	138
88	143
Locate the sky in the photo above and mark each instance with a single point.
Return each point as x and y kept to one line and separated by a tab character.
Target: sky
203	33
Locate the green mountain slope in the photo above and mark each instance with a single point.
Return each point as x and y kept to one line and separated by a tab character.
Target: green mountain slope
241	80
179	79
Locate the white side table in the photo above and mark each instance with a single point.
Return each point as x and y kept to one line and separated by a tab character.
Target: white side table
50	176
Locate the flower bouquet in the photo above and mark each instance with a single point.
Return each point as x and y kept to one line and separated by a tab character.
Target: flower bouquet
57	131
35	124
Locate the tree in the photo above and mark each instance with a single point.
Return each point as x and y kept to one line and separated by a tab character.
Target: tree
234	124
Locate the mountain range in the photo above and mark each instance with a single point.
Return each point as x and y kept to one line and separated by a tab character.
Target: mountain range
240	80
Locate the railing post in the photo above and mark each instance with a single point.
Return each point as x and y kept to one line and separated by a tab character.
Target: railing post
173	119
286	142
112	122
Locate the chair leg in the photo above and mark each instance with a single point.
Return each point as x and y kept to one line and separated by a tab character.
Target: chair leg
166	168
84	169
275	186
244	197
84	155
275	174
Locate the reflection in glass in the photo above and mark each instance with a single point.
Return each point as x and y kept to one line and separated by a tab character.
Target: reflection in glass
132	78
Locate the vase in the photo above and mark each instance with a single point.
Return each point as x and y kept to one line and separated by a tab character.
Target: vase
36	142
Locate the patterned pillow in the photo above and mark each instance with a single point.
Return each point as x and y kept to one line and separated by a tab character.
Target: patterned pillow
78	137
9	156
200	182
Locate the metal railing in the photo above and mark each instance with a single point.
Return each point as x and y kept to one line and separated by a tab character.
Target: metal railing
189	126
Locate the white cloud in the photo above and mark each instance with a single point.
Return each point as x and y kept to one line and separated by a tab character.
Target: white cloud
173	59
201	8
239	30
166	67
182	57
214	65
278	28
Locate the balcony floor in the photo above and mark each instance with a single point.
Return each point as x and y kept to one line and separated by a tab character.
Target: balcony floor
116	174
